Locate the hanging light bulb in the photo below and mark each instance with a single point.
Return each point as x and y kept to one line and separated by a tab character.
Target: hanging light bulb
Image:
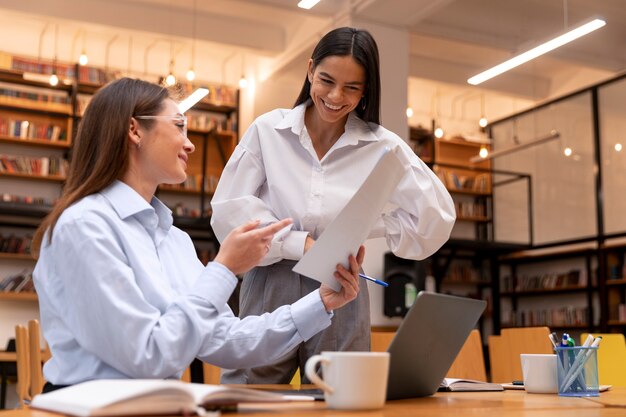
83	59
482	122
170	80
618	147
484	152
54	80
191	74
567	151
243	82
409	112
439	133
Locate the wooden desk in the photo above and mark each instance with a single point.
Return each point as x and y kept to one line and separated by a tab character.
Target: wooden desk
448	404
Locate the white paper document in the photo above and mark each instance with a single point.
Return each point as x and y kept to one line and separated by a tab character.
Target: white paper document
352	226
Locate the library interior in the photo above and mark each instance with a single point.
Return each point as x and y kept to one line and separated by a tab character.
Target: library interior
530	153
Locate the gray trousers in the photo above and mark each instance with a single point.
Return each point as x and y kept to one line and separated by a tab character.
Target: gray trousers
266	288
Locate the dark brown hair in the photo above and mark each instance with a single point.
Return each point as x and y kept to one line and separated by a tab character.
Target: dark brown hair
360	45
100	151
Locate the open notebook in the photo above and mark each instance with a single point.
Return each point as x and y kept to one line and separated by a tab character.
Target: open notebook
116	397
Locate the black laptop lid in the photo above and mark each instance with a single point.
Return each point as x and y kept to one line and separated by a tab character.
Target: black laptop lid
427	342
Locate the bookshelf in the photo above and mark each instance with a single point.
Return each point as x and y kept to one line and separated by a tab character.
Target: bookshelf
469	184
557	288
37	125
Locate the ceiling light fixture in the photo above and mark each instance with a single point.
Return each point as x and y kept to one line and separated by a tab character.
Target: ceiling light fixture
83	59
54	79
537	51
409	112
551	136
243	82
191	74
193	98
307	4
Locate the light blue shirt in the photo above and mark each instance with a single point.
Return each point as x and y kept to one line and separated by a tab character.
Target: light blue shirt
122	294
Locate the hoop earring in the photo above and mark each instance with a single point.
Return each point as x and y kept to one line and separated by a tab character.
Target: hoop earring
363	103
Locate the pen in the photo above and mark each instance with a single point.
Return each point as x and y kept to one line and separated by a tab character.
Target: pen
377	281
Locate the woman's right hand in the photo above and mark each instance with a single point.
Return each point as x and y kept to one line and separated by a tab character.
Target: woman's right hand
246	245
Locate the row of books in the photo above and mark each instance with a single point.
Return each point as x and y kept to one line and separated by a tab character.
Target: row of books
33	165
205	121
464	274
62	70
453	181
218	94
181	210
551	280
15	244
564	316
621	312
26	129
470	209
193	183
20	282
34	95
39	201
94	75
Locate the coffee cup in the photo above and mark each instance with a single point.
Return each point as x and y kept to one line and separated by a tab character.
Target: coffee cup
351	380
539	372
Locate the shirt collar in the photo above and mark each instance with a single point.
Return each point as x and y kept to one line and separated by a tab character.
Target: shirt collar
127	202
356	129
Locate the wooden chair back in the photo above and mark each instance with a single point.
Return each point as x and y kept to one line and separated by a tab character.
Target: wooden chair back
611	359
505	351
470	362
381	340
36	358
23	364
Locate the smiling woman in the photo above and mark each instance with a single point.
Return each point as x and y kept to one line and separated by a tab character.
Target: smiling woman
306	163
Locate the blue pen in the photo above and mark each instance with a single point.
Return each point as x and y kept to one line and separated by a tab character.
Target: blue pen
377	281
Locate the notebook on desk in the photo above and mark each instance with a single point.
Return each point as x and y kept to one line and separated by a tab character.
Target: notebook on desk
427	342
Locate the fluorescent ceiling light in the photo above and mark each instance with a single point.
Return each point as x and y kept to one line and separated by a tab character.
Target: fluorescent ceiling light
307	4
190	101
560	40
551	136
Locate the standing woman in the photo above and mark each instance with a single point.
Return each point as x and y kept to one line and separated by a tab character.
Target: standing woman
306	163
122	293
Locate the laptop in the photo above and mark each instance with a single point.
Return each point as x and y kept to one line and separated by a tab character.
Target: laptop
425	345
427	342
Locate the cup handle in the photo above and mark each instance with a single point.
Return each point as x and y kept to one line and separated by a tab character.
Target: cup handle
309	371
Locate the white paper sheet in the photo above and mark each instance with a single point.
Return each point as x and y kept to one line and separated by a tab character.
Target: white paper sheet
352	226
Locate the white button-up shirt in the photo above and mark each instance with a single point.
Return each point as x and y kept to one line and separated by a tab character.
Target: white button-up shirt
122	294
275	173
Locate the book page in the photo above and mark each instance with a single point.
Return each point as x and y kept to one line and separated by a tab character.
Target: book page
352	226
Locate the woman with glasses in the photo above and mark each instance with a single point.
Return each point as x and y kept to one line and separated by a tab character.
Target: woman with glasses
306	163
121	291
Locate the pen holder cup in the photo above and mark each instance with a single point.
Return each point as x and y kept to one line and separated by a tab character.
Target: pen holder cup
577	371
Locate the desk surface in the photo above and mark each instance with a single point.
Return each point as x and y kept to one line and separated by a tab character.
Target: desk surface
484	404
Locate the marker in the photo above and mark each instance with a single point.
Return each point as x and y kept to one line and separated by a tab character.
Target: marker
377	281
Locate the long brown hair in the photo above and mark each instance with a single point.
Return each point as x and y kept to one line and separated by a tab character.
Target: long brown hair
100	153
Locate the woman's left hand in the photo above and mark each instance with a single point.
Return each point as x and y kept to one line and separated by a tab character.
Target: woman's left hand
349	280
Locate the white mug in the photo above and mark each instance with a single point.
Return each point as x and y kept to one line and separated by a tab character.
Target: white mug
352	380
539	371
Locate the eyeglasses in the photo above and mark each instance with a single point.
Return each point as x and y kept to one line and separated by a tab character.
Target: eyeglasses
181	121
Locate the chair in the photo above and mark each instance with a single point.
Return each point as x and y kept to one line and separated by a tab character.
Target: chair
211	374
611	358
23	365
505	350
380	340
30	357
470	363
